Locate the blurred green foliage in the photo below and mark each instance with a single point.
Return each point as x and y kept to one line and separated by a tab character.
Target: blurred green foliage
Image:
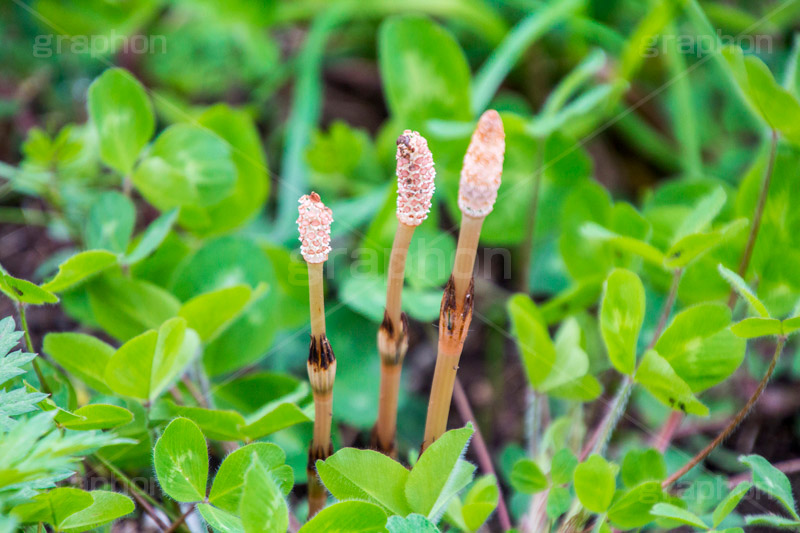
162	146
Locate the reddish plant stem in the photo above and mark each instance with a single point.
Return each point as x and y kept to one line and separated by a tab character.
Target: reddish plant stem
662	440
664	437
176	395
134	491
149	510
757	216
179	522
741	415
667	433
481	450
194	391
294	524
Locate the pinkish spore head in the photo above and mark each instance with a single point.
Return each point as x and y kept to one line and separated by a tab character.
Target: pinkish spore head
314	224
415	176
483	166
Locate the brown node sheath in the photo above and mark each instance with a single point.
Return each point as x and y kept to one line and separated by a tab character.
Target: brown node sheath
392	345
321	374
320	353
454	320
481	174
393	341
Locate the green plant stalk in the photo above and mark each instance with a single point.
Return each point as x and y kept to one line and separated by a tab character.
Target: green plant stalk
127	185
602	435
533	419
526	250
643	138
535	402
758	215
735	421
29	345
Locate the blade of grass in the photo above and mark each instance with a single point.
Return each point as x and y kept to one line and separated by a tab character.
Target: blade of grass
706	30
589	67
505	56
646	139
476	15
303	117
657	18
684	116
790	79
606	37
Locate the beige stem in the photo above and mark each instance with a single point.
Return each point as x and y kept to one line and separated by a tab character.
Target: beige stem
444	378
397	268
316	297
386	426
323	411
321	374
321	448
454	319
468	238
392	344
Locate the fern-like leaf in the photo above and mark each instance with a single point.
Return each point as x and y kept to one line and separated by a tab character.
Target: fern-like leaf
18	401
11	363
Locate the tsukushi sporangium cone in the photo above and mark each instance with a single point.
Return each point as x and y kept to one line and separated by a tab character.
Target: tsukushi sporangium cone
480	180
314	225
415	187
